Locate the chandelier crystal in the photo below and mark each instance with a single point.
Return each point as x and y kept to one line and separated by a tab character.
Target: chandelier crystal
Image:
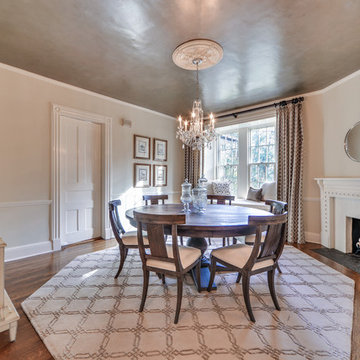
195	132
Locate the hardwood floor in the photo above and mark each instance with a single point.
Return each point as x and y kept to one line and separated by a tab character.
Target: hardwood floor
23	277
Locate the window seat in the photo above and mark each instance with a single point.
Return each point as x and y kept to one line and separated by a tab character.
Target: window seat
252	204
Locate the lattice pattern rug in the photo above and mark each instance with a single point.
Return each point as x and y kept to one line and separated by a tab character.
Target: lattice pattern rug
83	313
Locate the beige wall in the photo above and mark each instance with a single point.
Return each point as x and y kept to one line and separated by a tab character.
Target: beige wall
328	115
341	107
25	103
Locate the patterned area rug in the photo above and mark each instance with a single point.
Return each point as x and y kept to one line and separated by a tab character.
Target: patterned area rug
84	313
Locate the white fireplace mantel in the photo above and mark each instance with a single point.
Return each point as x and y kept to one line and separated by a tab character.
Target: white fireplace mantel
340	201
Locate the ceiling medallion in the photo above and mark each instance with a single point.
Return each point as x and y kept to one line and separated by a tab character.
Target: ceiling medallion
196	55
210	52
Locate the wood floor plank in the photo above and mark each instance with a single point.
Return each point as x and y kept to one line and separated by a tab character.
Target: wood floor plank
23	277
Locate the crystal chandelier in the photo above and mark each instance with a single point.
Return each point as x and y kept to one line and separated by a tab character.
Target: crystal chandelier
196	132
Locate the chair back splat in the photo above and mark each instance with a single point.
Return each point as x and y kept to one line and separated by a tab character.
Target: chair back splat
155	199
154	225
274	242
221	199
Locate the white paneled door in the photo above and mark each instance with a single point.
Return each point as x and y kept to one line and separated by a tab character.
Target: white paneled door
80	180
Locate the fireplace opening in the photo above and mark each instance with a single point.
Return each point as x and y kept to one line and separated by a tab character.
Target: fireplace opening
355	236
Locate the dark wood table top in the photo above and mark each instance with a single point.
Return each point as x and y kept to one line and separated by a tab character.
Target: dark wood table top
217	221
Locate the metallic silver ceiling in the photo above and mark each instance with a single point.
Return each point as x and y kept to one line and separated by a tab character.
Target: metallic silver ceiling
122	48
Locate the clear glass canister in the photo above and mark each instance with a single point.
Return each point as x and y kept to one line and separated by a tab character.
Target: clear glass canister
199	195
186	195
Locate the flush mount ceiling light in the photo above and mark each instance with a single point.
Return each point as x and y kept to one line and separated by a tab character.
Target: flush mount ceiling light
197	55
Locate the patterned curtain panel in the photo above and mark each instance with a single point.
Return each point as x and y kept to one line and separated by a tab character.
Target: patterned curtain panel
192	165
290	166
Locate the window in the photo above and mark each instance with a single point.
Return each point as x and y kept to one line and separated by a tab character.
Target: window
262	156
228	158
244	155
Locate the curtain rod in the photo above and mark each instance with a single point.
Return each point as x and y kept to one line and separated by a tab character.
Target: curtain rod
280	103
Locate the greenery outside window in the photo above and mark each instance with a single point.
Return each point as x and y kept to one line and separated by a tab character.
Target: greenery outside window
261	156
244	155
228	155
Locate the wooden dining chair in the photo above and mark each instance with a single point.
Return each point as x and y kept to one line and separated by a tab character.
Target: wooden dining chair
221	200
126	243
276	207
165	259
155	199
250	260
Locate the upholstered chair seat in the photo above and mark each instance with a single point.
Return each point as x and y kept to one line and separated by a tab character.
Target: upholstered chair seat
133	241
188	255
238	255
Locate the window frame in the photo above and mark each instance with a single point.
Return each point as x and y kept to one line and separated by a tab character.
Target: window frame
244	133
249	163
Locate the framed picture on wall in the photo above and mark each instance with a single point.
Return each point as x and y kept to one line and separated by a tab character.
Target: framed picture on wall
160	175
142	175
160	150
141	147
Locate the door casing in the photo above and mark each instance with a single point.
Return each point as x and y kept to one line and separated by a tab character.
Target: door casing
57	112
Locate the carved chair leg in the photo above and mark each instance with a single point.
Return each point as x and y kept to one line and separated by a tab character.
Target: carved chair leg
224	241
209	241
163	278
246	293
234	240
212	273
238	277
270	277
179	298
278	267
181	240
145	289
123	254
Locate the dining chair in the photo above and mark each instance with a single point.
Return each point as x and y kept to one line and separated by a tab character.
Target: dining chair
221	200
250	260
276	207
155	199
126	243
164	258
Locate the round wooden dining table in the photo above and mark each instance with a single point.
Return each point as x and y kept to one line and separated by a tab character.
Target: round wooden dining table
217	221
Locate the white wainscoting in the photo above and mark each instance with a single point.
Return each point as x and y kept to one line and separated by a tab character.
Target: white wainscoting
24	226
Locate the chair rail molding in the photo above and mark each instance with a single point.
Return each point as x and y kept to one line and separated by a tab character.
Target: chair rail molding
343	191
106	122
25	203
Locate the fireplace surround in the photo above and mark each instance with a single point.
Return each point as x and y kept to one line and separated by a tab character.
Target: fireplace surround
340	203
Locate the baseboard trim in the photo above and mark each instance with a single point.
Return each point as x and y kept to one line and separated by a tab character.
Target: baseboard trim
312	237
24	251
